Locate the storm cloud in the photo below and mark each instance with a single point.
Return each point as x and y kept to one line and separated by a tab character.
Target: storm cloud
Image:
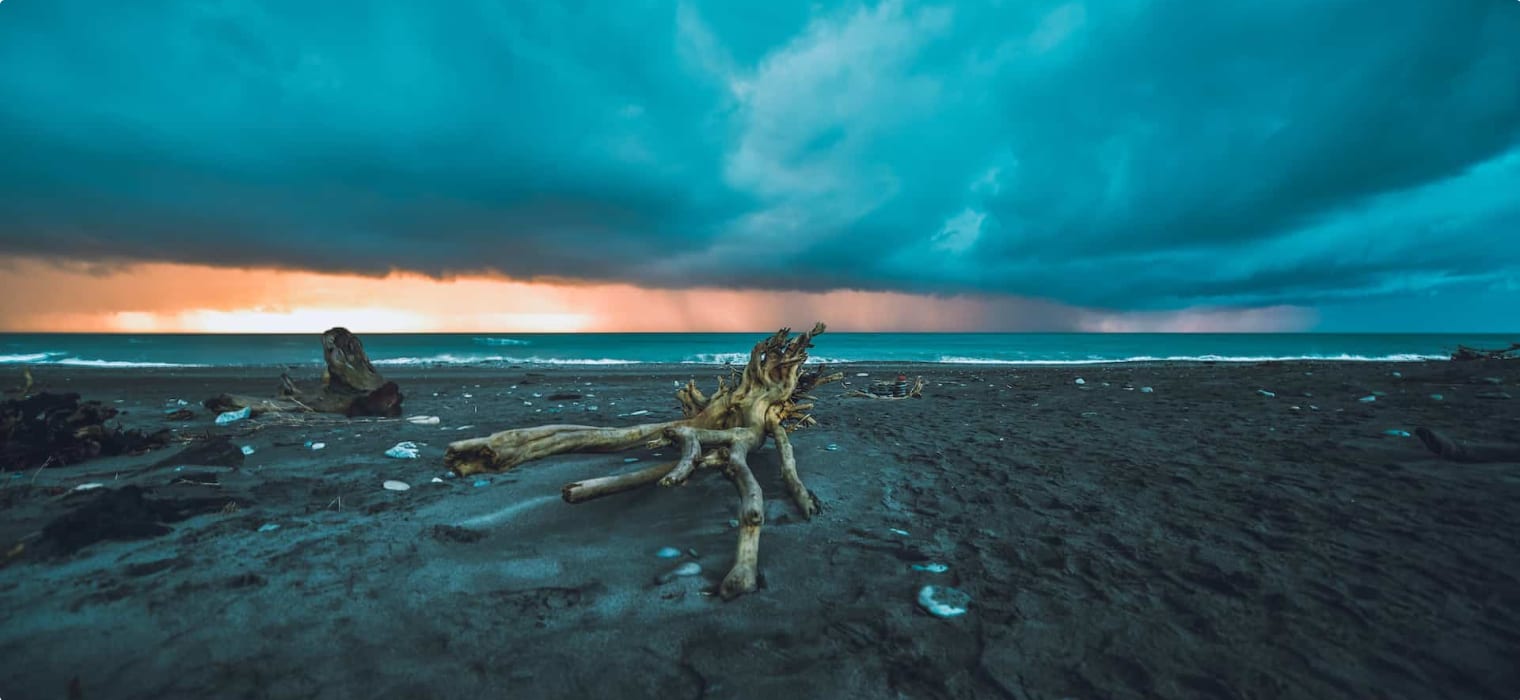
1127	155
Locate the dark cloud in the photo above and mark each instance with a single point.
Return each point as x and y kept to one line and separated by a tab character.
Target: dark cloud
1127	155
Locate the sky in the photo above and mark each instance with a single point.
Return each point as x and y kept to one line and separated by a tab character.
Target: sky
1125	165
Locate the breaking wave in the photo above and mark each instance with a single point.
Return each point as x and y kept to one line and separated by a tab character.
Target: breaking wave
500	341
449	359
1400	357
63	358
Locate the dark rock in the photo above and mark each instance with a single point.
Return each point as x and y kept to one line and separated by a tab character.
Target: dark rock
121	514
451	533
213	452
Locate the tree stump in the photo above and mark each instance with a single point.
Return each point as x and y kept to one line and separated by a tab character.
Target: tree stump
768	399
350	386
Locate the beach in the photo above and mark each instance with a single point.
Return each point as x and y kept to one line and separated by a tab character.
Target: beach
1181	530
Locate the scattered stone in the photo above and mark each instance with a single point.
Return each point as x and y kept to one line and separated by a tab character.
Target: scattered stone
1396	433
931	567
481	482
1080	381
668	553
1397	374
437	480
90	486
858	374
831	447
1266	393
1437	397
393	485
1146	390
424	420
630	460
896	531
944	601
690	568
269	527
1367	399
246	450
403	450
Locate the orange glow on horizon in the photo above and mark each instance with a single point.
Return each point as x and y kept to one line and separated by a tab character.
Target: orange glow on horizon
45	296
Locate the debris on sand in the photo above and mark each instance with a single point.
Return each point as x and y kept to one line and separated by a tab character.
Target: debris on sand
1266	393
393	485
403	450
424	420
944	601
234	416
58	429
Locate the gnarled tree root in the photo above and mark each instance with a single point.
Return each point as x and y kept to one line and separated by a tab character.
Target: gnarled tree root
767	400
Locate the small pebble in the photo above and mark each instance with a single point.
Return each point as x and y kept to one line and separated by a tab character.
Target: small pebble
1266	393
831	447
269	527
1396	433
668	553
394	485
89	487
1080	381
1367	399
943	601
690	568
931	567
437	480
481	482
318	445
247	449
896	531
1397	374
1146	390
630	460
1437	397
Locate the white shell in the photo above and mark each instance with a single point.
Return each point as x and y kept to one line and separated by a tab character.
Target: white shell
394	485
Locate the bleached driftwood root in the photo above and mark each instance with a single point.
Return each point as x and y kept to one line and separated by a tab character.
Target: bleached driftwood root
350	386
768	399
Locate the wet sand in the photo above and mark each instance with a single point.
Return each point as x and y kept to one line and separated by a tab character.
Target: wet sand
1200	540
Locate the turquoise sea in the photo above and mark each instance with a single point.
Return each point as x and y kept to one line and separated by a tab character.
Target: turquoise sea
120	350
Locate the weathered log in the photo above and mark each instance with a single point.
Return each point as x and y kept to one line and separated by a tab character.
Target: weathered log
350	386
1464	353
767	399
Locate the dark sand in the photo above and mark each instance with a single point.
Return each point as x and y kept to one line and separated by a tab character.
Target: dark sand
1199	541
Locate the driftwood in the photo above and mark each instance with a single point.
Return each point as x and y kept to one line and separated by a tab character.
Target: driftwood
350	386
1466	353
768	399
911	391
58	429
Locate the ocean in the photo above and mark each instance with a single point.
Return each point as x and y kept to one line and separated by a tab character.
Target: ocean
436	349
